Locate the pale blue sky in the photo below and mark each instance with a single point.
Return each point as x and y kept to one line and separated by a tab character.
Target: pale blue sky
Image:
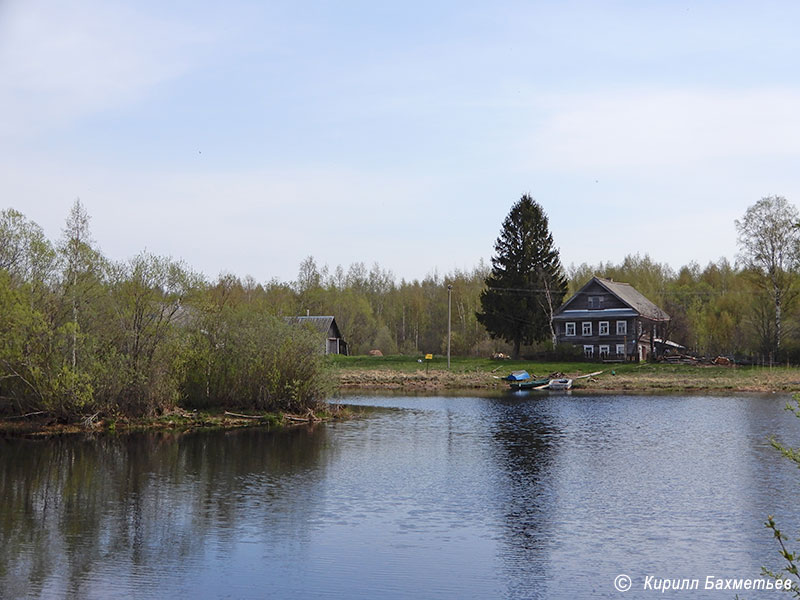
244	136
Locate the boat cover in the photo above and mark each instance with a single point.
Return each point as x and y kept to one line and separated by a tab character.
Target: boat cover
518	376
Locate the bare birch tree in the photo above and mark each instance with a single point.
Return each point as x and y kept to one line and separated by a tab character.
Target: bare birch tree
79	259
769	245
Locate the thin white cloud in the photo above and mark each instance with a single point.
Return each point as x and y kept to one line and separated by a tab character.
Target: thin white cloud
262	222
643	128
61	61
373	148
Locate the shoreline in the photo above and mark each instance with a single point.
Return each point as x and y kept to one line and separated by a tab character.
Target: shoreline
178	421
398	378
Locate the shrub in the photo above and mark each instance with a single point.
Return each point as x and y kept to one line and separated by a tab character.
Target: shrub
247	359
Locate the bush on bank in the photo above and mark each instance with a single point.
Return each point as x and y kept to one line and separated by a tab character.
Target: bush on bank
82	337
259	362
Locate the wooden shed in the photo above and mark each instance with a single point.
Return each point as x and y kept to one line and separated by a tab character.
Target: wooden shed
333	342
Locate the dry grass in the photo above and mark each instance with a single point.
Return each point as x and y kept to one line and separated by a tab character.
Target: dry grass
615	378
421	380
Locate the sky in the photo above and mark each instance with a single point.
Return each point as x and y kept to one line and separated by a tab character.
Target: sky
244	136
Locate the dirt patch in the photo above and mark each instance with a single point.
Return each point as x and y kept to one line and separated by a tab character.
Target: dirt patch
421	380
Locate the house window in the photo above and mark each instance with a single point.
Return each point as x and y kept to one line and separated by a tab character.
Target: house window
622	327
595	302
587	328
570	329
603	325
588	351
620	349
604	351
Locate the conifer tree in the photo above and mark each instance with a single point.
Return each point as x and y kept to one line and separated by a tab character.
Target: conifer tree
527	281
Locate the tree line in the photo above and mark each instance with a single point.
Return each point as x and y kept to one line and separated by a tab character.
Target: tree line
746	308
81	334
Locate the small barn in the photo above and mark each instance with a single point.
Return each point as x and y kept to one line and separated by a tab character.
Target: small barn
333	342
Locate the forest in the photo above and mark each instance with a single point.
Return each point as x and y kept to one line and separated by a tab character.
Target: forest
81	334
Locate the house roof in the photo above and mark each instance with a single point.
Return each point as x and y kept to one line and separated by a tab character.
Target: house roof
628	295
321	324
607	313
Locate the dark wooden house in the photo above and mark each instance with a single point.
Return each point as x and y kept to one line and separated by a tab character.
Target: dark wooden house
609	320
332	340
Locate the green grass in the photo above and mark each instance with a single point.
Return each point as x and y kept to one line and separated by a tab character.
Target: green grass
624	376
462	364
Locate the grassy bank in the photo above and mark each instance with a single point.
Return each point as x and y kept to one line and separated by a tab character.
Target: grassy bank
403	372
406	373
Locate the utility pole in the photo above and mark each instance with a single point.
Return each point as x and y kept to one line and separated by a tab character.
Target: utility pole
449	295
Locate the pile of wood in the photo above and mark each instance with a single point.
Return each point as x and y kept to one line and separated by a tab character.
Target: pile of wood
686	359
682	359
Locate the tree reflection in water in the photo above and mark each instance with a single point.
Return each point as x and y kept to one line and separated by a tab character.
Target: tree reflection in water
526	443
73	508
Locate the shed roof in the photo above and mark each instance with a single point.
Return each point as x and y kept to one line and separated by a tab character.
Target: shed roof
321	324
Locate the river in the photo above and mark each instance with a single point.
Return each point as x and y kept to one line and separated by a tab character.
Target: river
502	496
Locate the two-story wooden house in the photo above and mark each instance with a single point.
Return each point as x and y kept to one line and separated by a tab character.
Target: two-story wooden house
610	320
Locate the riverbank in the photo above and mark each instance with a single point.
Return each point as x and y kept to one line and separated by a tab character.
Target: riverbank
404	373
176	421
397	373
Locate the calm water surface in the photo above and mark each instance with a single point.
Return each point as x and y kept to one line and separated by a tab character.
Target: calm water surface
514	496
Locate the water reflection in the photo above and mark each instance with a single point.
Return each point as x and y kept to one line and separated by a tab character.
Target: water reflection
116	507
526	443
515	496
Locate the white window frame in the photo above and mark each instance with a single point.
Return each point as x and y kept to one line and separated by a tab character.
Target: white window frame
584	326
621	349
570	329
622	328
595	302
588	351
600	327
605	350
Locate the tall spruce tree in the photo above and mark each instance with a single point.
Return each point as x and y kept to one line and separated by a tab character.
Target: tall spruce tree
527	281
